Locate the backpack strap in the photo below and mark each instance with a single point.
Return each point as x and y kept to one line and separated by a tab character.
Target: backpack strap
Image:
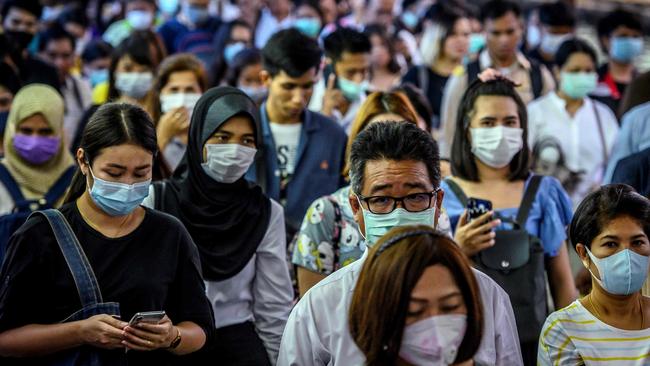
536	81
529	198
159	189
473	69
80	268
10	184
601	133
423	79
338	231
462	197
59	187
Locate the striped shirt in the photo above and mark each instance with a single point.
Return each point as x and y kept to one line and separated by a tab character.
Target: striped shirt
573	336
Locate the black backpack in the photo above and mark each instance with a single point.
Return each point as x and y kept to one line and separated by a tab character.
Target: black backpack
536	82
516	263
23	207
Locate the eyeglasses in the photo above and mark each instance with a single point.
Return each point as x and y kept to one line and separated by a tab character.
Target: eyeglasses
415	202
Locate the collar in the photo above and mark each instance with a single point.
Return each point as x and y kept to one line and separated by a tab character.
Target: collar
309	123
486	61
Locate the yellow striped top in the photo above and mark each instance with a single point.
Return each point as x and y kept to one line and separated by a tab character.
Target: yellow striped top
573	336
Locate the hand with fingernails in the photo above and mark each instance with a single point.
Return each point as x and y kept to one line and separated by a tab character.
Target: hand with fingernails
476	235
148	337
171	124
333	97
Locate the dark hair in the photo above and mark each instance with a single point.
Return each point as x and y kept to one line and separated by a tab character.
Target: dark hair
74	13
463	164
393	141
292	52
345	40
418	100
32	6
314	4
557	14
54	33
9	79
379	306
495	9
134	46
601	207
615	19
380	31
112	124
571	46
245	58
95	49
221	39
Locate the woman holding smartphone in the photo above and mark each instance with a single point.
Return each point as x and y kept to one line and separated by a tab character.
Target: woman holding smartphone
490	162
134	260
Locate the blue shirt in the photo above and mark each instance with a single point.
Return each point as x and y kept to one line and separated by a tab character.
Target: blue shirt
550	215
633	137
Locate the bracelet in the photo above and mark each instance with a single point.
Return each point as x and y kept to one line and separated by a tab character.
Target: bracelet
177	341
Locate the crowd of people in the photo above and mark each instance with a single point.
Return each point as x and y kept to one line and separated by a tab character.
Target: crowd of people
331	182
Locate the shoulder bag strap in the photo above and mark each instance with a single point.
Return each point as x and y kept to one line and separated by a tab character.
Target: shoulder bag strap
529	198
59	187
462	197
473	69
80	268
338	229
10	184
159	195
601	132
536	82
423	79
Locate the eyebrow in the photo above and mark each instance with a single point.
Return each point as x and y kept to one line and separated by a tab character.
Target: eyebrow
118	166
446	297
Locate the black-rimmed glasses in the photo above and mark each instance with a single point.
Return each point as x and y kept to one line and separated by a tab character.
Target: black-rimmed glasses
414	202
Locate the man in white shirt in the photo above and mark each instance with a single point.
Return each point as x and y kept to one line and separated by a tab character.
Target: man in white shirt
399	163
273	18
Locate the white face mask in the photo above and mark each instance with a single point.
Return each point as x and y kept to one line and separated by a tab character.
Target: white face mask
552	42
169	102
140	19
496	146
226	163
134	84
433	341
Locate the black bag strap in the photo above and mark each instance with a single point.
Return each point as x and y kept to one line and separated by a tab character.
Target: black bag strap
82	272
423	79
159	189
601	133
59	187
536	80
473	69
462	197
529	198
336	238
10	184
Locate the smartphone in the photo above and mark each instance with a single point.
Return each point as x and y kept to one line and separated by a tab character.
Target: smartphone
477	207
153	317
327	71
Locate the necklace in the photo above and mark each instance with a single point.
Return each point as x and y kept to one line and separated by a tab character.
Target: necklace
96	227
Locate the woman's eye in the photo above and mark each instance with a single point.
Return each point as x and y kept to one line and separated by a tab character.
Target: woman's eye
449	308
610	244
638	243
113	175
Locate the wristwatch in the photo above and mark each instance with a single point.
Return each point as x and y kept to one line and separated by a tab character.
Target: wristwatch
176	341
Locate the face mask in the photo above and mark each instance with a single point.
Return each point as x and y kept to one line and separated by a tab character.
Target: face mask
50	13
98	76
352	91
622	273
231	50
20	39
227	163
625	49
308	26
476	42
168	7
578	84
379	224
533	36
134	84
496	146
173	101
36	149
552	42
433	341
410	19
196	14
139	19
118	199
257	94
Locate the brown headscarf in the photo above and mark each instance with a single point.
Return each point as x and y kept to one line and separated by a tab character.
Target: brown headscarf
35	181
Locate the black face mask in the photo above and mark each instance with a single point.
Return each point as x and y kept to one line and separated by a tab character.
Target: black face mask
19	39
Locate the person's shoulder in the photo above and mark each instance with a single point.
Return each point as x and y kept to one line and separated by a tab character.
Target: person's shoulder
328	125
638	113
488	286
574	314
604	111
163	220
335	287
541	103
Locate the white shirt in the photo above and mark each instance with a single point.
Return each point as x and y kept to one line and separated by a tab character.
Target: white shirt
6	202
261	292
317	330
75	105
345	121
286	138
578	136
267	26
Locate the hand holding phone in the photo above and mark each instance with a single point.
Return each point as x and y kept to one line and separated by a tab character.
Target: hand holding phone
150	317
477	207
474	231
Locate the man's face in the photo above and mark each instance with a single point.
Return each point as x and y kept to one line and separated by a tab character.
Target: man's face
19	20
621	31
59	52
288	96
503	35
140	5
382	12
395	179
353	66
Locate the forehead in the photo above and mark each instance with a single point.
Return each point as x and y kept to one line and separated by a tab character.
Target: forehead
60	44
623	30
435	281
23	14
182	77
506	21
395	175
495	106
125	154
353	59
238	124
622	226
283	77
579	58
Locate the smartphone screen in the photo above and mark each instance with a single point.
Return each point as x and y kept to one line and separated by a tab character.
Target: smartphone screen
153	317
477	207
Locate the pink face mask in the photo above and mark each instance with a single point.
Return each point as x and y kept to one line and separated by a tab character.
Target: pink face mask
433	341
36	149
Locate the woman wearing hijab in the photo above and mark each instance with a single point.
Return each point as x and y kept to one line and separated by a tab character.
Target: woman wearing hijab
36	169
239	231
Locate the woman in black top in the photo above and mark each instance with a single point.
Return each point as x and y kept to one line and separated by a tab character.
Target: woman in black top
142	259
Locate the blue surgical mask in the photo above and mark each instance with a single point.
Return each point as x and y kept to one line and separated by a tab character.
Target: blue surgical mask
118	199
308	26
140	19
476	42
533	36
257	94
98	76
625	49
552	42
231	50
352	91
410	19
622	273
168	7
196	14
379	224
578	85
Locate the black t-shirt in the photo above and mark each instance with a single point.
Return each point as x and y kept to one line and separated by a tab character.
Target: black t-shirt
156	267
611	101
434	91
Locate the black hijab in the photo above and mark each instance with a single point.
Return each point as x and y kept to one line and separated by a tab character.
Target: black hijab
227	221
